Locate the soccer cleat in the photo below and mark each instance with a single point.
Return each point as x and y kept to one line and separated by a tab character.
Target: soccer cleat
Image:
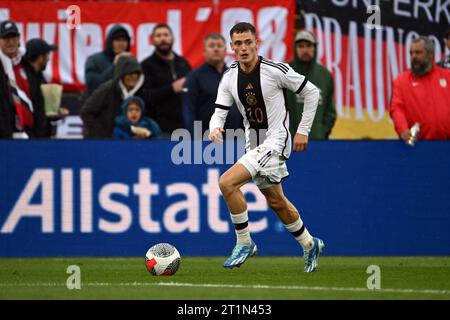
312	255
240	253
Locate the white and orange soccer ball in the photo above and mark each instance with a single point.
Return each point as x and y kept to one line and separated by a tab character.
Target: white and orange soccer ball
162	259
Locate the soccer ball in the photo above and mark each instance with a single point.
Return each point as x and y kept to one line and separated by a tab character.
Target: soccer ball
163	259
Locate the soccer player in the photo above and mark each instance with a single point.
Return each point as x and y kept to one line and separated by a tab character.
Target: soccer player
258	87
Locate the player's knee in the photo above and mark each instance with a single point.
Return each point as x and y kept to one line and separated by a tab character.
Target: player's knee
226	186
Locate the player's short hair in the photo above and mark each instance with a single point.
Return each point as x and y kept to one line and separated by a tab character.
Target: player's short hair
429	44
160	26
214	36
242	27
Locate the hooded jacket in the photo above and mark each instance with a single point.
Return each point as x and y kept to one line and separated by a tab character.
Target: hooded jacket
103	106
99	67
123	124
326	111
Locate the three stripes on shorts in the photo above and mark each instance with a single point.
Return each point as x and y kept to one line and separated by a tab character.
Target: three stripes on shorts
265	159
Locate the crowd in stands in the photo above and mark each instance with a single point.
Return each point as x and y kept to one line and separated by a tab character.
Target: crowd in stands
125	99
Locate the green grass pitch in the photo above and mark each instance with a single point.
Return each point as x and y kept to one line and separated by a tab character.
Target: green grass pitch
205	278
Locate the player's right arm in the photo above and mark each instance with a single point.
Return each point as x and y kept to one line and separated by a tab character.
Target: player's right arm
224	102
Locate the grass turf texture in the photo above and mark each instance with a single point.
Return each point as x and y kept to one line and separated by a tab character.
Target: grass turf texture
205	278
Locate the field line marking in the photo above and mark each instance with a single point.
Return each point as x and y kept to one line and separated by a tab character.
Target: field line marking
223	285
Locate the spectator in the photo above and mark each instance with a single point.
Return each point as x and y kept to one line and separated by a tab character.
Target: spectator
422	94
305	63
446	62
35	61
103	106
132	124
28	121
6	106
99	67
165	73
201	85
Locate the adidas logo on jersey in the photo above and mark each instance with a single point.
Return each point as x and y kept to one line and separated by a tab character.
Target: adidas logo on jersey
249	86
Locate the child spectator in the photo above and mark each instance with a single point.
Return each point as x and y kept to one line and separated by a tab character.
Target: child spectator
132	124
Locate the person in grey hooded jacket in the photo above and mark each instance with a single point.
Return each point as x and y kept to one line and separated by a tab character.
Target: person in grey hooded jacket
103	106
99	67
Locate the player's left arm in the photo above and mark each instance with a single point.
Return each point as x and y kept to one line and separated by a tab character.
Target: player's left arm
300	85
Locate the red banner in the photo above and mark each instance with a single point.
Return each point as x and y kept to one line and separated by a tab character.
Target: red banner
79	28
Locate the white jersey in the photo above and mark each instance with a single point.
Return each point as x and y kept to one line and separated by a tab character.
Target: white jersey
261	98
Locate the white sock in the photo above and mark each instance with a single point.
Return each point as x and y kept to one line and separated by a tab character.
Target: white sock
241	228
302	236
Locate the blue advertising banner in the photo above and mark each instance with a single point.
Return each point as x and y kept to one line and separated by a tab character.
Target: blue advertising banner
109	198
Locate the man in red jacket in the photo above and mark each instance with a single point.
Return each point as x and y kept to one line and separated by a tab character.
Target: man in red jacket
422	95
